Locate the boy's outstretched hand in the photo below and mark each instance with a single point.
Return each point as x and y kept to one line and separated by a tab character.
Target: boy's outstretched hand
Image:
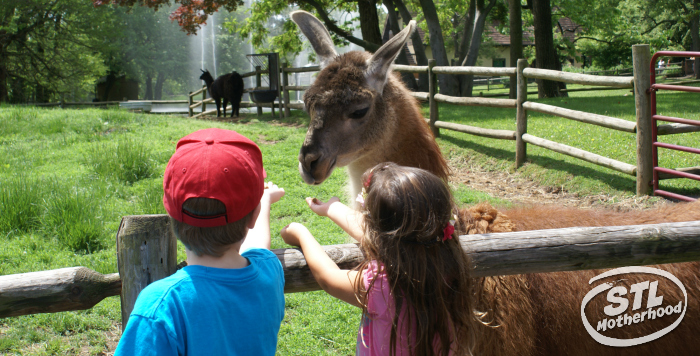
293	233
274	192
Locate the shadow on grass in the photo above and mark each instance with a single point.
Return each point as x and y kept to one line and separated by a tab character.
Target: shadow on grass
617	182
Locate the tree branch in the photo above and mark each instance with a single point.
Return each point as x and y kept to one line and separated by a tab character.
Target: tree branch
332	26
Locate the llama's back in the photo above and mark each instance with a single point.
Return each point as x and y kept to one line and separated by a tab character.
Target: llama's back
484	218
234	87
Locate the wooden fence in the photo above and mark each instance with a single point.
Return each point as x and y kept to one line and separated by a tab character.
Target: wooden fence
146	252
638	83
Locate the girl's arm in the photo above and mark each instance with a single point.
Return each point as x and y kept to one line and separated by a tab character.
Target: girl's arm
347	218
339	283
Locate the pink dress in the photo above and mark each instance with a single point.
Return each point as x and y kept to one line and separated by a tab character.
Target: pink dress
375	332
374	335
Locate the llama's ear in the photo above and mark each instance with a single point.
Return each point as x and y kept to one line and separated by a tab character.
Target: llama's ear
378	66
317	34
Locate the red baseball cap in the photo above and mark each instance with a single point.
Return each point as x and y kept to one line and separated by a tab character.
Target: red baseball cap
217	164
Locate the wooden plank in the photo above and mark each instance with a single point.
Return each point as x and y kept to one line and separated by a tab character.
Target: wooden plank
488	71
199	103
581	154
303	70
520	114
641	59
421	95
477	131
477	101
575	78
432	103
199	91
410	69
581	248
589	118
72	288
146	252
671	129
568	249
296	87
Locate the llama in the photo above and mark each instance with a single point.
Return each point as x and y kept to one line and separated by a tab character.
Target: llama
361	115
229	87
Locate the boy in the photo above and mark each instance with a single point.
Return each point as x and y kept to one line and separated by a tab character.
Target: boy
223	302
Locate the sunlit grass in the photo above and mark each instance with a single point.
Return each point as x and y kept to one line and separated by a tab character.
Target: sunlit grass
67	177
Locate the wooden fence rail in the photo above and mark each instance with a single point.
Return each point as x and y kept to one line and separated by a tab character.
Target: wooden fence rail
641	128
551	250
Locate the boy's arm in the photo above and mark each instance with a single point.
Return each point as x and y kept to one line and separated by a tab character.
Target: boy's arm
259	235
342	215
337	282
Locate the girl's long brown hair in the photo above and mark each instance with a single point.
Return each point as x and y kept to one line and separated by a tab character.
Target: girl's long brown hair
406	210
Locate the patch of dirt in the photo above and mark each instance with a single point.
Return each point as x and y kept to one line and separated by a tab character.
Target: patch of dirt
519	190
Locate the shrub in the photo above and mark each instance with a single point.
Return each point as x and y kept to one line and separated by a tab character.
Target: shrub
124	159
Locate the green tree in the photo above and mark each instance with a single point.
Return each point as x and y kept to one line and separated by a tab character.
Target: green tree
51	47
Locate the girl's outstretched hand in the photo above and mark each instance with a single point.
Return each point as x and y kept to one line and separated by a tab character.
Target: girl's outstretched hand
293	233
319	207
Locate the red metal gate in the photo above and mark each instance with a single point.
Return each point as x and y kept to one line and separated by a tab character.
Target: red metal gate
655	118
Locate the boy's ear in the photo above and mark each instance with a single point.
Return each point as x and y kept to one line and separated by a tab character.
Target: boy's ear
254	216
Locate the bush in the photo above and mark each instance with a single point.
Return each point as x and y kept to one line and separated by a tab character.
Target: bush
126	160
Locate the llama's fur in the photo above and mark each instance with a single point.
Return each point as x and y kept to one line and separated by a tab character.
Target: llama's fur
228	87
535	314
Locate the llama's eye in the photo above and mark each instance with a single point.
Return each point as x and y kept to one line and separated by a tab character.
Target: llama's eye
358	114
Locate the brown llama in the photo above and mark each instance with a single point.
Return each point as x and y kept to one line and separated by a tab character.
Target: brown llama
361	115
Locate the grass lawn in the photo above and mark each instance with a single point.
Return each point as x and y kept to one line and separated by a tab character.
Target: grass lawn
68	176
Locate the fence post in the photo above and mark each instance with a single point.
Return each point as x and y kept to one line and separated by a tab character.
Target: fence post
432	89
258	83
204	97
521	115
285	83
641	57
279	87
190	112
146	252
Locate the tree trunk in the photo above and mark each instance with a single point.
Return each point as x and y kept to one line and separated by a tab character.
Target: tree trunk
418	48
369	21
480	15
545	53
392	29
695	35
149	87
467	30
3	82
516	40
160	80
447	83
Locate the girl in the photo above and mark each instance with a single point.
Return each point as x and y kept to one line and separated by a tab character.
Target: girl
413	286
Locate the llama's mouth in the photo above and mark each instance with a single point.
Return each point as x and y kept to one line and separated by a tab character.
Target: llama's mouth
312	177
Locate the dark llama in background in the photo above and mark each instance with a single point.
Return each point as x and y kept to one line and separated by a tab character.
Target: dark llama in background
229	87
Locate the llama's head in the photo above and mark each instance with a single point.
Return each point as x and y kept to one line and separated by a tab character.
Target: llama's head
206	76
348	115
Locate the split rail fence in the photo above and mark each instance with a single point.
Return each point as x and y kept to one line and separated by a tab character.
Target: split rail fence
146	252
639	83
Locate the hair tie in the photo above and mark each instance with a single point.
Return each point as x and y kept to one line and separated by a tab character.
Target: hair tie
369	178
448	231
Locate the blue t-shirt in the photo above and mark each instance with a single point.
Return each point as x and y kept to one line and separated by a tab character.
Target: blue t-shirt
210	311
